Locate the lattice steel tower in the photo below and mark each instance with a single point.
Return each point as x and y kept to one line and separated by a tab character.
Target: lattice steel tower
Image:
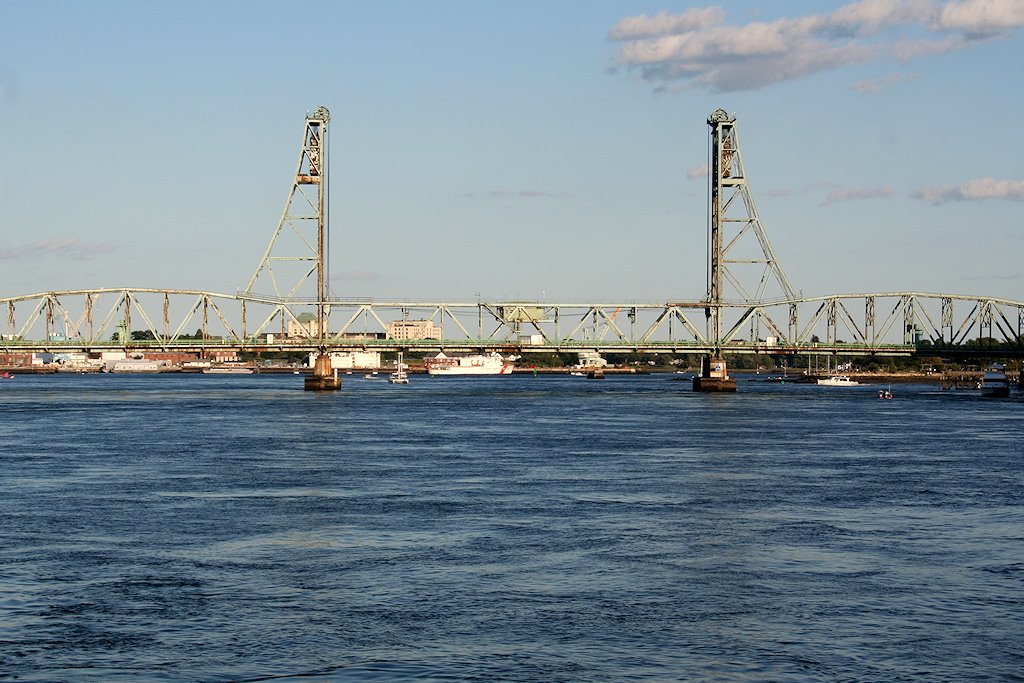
736	241
299	245
741	256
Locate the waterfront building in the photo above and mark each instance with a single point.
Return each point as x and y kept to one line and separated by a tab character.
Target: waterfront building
350	360
306	325
413	329
590	359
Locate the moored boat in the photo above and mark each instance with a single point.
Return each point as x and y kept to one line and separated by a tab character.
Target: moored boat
136	366
837	381
994	384
479	364
399	376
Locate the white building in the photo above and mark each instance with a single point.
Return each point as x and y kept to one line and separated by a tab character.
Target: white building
351	360
590	359
413	329
531	340
305	326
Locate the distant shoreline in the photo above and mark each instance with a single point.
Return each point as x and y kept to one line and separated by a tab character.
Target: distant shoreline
748	375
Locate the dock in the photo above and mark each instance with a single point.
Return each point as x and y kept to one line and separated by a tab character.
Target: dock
971	379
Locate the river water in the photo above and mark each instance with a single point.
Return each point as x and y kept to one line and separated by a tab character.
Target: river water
237	528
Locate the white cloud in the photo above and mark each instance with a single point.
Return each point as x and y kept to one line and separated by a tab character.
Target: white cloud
663	23
872	87
869	17
696	172
837	196
973	190
697	49
980	18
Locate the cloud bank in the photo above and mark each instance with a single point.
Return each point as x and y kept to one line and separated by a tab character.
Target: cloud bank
698	49
837	196
973	190
68	249
522	194
872	87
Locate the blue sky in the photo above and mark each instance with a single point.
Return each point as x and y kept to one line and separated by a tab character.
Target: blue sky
527	149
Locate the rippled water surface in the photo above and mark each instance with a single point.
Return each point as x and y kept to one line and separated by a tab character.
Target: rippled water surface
517	528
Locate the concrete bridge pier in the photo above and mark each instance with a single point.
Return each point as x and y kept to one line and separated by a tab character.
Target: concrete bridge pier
324	377
713	376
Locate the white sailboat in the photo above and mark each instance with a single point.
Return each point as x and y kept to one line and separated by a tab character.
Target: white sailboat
399	376
835	379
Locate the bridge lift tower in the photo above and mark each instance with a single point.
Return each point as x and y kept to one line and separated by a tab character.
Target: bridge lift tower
737	241
298	249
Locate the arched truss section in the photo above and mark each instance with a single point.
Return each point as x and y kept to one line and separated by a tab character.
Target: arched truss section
173	319
167	319
875	319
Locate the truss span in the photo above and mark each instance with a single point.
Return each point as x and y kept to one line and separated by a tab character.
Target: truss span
193	320
742	264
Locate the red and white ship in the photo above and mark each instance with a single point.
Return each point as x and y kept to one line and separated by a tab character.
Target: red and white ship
489	364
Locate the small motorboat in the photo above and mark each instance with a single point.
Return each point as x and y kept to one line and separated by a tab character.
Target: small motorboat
838	381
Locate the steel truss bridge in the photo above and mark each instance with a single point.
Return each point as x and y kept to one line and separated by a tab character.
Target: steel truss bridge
185	320
750	306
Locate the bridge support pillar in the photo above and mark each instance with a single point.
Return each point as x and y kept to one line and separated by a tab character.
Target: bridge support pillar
324	378
713	376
